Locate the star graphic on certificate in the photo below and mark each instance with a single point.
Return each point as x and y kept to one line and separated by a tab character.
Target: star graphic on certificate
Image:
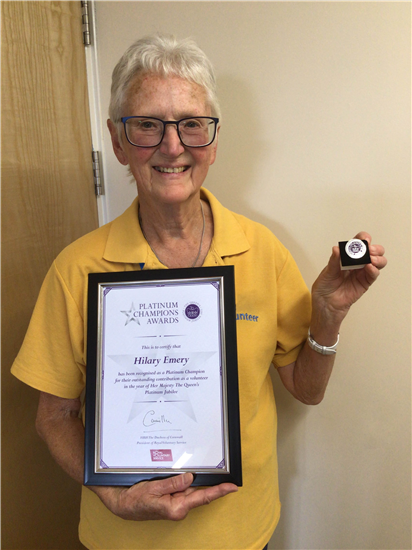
131	315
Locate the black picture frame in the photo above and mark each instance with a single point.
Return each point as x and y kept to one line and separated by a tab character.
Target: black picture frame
99	283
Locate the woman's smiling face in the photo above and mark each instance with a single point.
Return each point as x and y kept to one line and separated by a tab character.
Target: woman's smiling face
169	173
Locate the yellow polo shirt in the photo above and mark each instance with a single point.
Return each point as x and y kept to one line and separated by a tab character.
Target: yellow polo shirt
273	313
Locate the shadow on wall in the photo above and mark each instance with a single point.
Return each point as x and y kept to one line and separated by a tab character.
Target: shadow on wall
243	156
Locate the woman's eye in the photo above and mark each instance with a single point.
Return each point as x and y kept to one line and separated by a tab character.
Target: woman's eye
192	124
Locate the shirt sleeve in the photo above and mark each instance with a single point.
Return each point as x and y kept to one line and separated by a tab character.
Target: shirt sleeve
294	313
52	357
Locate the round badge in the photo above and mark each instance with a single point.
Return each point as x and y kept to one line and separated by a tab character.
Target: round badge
192	311
355	249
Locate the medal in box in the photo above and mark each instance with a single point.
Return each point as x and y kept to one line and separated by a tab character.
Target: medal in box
354	254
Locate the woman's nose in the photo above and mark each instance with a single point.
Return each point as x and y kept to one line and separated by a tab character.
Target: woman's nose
171	143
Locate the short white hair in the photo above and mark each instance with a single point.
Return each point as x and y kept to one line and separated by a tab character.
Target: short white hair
166	56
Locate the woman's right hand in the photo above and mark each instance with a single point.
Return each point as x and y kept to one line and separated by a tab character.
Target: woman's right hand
170	498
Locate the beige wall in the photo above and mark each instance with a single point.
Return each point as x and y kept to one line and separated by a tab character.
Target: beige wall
315	144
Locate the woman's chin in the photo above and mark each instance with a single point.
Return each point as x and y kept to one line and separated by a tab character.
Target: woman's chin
171	192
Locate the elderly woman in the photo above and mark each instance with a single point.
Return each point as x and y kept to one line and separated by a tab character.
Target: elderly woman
164	125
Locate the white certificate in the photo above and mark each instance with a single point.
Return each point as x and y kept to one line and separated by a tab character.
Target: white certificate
162	395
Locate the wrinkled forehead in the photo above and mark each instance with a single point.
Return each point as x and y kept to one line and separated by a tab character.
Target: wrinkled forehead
154	91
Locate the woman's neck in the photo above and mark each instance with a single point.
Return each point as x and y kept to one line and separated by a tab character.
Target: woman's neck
179	235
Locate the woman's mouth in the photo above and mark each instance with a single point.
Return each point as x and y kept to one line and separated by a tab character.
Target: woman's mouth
171	170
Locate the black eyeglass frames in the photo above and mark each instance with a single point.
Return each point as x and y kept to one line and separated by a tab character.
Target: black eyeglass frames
144	131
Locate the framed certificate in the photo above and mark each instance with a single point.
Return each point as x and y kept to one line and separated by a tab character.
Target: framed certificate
162	384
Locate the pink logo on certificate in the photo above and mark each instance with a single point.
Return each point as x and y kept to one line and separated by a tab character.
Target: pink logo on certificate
161	455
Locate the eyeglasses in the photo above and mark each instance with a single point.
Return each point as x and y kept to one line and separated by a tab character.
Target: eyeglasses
143	131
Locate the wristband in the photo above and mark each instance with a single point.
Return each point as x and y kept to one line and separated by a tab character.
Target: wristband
324	350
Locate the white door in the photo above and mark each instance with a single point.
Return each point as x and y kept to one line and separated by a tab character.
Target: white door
314	144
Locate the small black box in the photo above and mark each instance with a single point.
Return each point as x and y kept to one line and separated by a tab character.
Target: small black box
354	254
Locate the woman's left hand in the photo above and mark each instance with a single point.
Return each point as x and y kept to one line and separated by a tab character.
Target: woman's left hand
334	291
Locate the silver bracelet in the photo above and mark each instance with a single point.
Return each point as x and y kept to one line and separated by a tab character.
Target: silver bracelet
324	350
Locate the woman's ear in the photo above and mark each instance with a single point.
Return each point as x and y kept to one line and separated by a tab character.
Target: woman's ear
117	146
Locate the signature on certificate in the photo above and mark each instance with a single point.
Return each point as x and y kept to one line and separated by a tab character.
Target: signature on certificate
150	418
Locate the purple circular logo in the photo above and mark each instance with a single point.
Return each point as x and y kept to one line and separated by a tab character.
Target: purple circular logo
355	248
192	311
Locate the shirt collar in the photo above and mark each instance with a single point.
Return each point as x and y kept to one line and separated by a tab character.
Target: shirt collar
229	237
126	243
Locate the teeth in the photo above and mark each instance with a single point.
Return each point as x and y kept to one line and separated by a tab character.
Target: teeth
170	170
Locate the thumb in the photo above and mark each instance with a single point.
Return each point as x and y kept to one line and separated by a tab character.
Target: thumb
333	268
